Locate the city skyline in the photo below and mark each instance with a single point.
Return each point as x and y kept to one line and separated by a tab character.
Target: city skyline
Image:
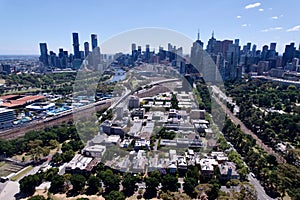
259	22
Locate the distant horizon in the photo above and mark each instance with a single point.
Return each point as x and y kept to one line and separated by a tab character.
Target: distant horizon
280	53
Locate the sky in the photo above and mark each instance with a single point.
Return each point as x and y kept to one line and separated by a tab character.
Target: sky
24	24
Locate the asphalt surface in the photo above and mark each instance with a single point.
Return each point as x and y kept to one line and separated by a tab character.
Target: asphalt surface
261	194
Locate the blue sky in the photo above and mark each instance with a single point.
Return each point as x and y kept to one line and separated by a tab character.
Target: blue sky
26	23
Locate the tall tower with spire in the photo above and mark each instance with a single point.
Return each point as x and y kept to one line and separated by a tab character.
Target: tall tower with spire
211	43
197	53
198	39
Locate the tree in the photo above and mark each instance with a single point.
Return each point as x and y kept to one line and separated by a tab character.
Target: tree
151	184
78	182
57	158
174	102
278	106
50	173
66	147
128	184
189	186
57	183
110	180
94	183
169	182
53	144
68	155
28	184
37	197
115	195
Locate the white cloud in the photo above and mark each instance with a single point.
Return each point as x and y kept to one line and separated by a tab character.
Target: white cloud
274	17
239	17
254	5
271	29
261	9
244	25
295	28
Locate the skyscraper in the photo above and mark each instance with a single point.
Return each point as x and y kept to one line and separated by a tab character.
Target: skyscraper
273	46
94	41
288	54
86	49
44	54
76	45
133	47
211	44
197	54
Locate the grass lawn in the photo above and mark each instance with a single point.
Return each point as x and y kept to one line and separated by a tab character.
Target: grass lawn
22	173
2	164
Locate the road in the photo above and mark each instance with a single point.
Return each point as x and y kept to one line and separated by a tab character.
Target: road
261	194
9	190
128	92
259	142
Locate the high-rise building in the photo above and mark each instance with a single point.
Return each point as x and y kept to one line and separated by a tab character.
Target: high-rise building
211	44
5	68
288	54
233	70
134	52
86	49
53	59
248	47
94	41
76	46
133	47
225	46
273	46
44	54
197	54
237	42
264	52
147	53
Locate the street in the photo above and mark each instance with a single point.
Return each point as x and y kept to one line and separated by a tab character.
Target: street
261	194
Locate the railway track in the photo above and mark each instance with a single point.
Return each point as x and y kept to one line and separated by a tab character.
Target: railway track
67	116
259	142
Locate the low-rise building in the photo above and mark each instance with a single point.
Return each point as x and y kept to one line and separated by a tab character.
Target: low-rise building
220	157
111	129
95	151
141	143
197	114
134	102
207	166
7	116
181	163
81	164
228	171
138	112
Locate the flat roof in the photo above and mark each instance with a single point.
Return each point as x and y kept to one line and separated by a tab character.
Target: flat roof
3	110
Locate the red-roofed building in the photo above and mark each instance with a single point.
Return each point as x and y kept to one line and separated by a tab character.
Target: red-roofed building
18	101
